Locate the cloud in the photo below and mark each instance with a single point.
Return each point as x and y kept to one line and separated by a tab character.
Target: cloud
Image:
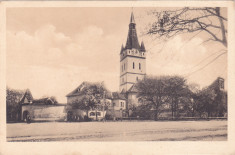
180	56
176	56
51	63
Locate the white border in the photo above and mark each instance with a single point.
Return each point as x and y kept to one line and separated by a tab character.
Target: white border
185	147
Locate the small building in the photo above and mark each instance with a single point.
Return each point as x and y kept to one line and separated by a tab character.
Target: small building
44	109
114	103
118	106
14	101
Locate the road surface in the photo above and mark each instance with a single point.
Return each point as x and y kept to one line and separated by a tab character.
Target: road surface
214	130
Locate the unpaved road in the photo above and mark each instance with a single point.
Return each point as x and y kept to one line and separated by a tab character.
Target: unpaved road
119	131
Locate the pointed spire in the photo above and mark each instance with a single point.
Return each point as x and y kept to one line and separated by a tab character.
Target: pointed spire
142	47
132	39
132	18
122	48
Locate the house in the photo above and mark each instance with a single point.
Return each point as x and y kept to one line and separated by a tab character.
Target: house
113	102
21	105
14	100
118	106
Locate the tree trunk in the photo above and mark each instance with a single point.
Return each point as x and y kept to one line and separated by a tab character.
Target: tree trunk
224	39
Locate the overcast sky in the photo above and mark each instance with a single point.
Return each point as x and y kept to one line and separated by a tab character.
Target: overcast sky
52	50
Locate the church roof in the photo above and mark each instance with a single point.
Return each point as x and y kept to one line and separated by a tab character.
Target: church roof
142	47
132	39
132	18
133	89
122	48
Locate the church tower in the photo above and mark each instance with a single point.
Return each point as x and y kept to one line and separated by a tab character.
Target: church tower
132	59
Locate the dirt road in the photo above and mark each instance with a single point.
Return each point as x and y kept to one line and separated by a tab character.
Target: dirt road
119	131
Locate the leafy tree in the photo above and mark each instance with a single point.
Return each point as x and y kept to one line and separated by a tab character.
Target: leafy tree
215	103
152	93
13	98
177	92
92	97
186	20
191	106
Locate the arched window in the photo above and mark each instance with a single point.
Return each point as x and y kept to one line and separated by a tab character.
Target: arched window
124	67
139	66
137	78
133	65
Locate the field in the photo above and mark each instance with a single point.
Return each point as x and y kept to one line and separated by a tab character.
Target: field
214	130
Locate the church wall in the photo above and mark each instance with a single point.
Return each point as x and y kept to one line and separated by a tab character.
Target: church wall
134	77
136	61
132	99
45	112
126	86
129	74
129	65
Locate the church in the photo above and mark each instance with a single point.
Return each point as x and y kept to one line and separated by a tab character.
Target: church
132	69
132	64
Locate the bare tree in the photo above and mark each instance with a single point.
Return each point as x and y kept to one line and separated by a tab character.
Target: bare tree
185	20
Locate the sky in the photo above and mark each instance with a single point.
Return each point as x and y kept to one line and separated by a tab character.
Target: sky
51	51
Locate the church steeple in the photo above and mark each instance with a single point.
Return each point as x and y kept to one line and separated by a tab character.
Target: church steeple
142	47
132	18
122	48
132	39
132	59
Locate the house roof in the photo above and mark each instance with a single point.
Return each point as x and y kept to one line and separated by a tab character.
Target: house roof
46	100
77	91
116	95
28	95
19	96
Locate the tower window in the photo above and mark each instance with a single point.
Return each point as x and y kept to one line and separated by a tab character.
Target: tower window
133	65
137	78
139	66
124	67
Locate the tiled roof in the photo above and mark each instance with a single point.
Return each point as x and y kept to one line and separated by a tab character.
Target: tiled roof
77	91
46	100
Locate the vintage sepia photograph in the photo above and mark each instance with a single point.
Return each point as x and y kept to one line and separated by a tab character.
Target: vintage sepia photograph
116	74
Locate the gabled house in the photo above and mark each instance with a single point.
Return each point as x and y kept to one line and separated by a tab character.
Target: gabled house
77	93
115	102
14	100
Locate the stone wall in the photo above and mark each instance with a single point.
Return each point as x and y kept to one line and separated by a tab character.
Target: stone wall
45	112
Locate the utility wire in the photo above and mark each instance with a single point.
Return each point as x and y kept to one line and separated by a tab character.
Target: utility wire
207	58
205	65
174	54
